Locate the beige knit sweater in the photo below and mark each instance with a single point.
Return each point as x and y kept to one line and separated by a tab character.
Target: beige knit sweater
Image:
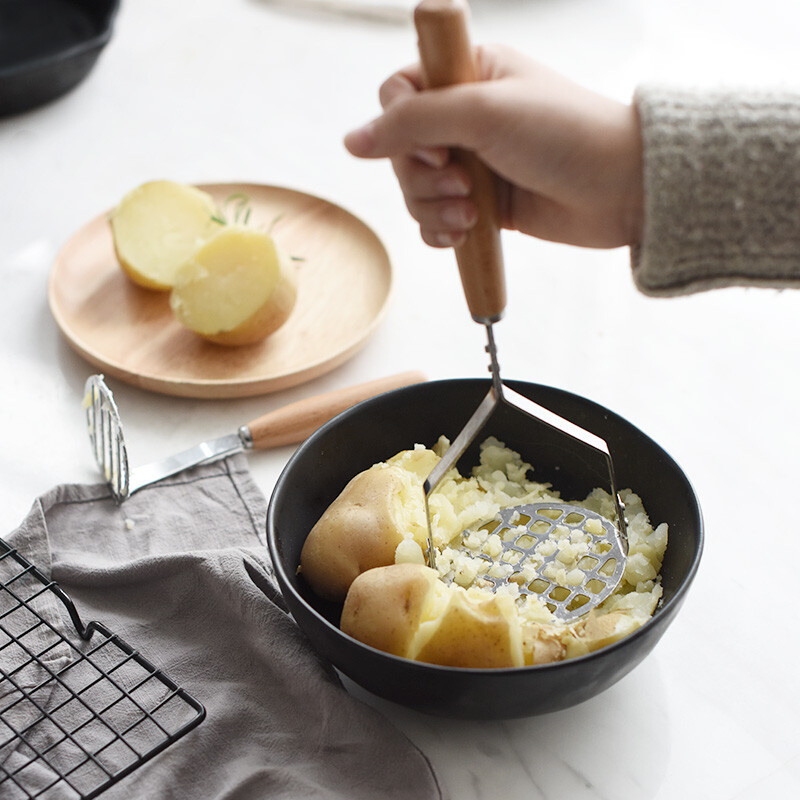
722	190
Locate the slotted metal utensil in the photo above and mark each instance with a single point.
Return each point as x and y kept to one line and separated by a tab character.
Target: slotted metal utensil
447	59
287	425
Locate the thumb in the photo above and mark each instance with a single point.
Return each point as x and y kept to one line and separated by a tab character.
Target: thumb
364	142
425	125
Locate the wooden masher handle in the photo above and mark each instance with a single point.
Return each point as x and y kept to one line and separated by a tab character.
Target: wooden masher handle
447	59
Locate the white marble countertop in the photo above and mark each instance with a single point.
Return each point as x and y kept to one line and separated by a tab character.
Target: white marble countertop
251	90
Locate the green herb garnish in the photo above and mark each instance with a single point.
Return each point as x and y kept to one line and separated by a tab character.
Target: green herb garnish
240	213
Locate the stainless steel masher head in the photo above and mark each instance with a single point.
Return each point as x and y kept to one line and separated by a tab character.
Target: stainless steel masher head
532	536
287	425
529	533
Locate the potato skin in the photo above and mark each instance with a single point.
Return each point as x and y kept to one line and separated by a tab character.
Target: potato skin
385	605
359	530
599	630
271	316
542	644
474	632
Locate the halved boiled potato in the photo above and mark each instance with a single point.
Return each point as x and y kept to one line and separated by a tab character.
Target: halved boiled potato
386	605
474	629
236	288
404	609
365	524
156	227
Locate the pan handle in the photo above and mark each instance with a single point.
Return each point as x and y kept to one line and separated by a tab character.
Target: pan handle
447	59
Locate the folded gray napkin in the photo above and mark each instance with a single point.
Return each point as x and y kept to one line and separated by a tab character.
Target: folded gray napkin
178	572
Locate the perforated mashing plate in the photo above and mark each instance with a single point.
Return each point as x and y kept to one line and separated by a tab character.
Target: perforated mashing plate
537	536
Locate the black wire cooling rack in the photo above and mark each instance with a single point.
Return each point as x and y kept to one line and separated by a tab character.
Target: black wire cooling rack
75	718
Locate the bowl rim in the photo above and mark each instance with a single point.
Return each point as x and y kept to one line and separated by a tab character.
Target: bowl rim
284	579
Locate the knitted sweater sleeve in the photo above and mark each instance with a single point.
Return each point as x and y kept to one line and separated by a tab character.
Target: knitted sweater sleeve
721	190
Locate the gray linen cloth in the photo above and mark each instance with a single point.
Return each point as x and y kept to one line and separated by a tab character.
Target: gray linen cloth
178	571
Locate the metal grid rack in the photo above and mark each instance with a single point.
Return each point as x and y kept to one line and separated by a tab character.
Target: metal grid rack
75	718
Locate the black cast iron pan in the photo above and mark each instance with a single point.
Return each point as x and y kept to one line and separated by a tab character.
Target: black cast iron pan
48	46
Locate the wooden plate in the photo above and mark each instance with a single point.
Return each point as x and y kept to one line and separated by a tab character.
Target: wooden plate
344	281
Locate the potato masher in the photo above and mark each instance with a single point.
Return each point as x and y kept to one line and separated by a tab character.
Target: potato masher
525	531
287	425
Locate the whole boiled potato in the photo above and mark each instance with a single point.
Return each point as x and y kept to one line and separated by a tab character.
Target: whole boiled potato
236	288
404	609
364	525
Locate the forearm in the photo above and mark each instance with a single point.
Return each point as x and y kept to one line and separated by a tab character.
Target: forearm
721	190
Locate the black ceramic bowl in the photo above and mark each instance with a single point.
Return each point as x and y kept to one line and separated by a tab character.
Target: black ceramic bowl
47	47
377	429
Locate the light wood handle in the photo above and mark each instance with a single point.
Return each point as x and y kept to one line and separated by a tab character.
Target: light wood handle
447	59
297	421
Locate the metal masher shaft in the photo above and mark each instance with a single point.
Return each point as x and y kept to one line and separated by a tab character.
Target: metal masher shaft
494	364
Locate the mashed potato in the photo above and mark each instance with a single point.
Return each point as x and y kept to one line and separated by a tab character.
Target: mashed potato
398	604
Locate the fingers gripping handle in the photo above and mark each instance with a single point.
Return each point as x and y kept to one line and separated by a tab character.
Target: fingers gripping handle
447	59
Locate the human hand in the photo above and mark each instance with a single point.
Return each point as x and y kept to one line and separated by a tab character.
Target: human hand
568	161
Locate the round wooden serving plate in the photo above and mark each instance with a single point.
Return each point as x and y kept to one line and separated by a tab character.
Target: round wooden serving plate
344	281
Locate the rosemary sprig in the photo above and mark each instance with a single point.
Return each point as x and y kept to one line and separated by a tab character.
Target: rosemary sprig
241	215
241	210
